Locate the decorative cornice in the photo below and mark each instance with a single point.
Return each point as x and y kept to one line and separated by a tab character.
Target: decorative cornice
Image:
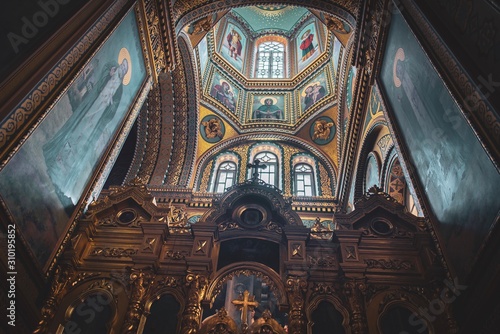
185	12
113	252
391	264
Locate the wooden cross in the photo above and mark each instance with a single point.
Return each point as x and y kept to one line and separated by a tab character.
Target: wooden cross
255	167
246	304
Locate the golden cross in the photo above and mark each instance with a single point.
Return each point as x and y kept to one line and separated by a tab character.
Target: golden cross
247	303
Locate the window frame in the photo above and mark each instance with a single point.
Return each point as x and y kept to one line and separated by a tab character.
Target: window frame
312	180
220	172
267	170
270	68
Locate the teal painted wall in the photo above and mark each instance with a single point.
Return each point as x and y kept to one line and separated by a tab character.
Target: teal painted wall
44	181
459	180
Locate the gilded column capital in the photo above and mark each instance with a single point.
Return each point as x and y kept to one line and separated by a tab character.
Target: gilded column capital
196	285
296	288
61	281
354	291
140	281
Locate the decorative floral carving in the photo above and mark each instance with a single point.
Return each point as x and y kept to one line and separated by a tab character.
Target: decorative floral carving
113	252
169	281
229	225
190	322
296	288
322	261
323	289
141	280
272	226
63	275
390	264
354	290
176	255
319	231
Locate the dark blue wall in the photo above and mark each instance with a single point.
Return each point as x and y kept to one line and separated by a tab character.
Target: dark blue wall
459	180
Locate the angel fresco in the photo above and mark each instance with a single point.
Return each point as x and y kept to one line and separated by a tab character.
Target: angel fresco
322	129
95	105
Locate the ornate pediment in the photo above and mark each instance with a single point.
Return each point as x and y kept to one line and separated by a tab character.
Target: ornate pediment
378	214
252	205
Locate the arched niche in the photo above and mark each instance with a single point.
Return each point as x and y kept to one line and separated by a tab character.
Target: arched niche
162	313
263	285
327	314
245	144
401	309
96	306
370	151
402	318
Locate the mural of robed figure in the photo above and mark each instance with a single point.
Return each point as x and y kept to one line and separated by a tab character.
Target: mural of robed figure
234	43
312	94
95	100
307	45
223	93
268	110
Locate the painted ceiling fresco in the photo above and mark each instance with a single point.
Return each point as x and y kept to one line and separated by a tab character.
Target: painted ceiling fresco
276	18
233	102
250	104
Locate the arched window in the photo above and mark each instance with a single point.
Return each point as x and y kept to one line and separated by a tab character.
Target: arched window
93	314
270	173
372	171
226	176
327	319
270	60
304	180
163	316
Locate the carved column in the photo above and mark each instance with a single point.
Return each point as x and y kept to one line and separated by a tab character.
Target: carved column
61	282
191	318
296	288
140	281
354	291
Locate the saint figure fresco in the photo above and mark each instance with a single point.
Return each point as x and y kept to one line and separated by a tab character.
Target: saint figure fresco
223	93
268	110
234	42
307	45
95	99
313	93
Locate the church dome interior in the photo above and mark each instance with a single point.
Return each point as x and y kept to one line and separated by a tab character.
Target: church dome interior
229	166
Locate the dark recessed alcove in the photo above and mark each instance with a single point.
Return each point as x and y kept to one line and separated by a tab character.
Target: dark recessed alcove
249	249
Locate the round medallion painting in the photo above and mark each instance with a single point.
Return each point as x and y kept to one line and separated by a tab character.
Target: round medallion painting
322	130
212	129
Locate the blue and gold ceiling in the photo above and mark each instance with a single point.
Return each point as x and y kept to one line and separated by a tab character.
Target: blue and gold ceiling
301	104
261	19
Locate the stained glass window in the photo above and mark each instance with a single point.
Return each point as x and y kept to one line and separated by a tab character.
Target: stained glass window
270	61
